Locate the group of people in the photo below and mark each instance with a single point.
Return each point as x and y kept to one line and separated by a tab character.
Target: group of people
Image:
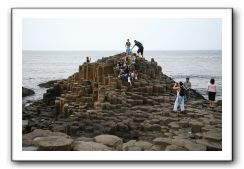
128	66
127	69
182	90
138	44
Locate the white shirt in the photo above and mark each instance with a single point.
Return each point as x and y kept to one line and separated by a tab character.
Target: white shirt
211	87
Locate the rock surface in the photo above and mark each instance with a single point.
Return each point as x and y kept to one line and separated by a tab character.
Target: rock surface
90	146
27	92
110	140
96	108
46	140
48	84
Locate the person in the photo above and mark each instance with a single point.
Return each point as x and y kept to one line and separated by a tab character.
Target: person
179	101
140	47
211	92
88	60
187	85
128	45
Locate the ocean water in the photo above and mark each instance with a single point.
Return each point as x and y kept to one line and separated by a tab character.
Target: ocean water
200	66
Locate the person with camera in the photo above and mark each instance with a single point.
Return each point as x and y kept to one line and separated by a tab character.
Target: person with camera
179	101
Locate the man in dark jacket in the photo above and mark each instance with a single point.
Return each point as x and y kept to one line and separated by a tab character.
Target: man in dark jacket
140	47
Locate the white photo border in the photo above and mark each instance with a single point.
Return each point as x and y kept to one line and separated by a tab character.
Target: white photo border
17	15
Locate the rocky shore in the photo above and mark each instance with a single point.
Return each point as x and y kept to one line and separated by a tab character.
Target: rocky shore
94	110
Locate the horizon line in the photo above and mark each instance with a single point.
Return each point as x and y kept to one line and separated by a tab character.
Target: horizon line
123	50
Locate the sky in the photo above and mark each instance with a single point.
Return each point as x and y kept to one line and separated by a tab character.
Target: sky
111	33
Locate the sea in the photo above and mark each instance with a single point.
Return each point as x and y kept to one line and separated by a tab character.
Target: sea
199	65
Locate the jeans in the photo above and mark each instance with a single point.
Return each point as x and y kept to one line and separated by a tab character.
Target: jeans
179	101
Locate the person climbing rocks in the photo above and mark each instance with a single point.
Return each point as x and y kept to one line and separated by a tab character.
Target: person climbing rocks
179	101
187	85
140	47
128	45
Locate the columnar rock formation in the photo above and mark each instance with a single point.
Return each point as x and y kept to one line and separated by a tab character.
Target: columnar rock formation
94	101
96	85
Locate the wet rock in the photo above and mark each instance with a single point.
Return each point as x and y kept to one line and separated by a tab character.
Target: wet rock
47	84
27	92
194	95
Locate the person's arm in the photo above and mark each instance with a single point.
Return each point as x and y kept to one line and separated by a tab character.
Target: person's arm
133	47
185	87
175	88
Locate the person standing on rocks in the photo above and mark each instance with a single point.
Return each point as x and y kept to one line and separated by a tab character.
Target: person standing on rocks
179	101
128	45
88	60
211	92
187	85
140	47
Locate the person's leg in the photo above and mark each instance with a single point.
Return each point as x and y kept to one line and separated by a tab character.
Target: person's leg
128	51
142	49
176	104
214	95
182	106
138	51
209	98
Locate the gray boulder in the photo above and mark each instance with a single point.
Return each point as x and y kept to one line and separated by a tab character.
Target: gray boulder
90	146
27	92
110	140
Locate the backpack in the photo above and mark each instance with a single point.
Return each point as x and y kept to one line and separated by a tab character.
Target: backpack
182	91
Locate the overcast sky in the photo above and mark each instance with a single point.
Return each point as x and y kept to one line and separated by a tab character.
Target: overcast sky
111	34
